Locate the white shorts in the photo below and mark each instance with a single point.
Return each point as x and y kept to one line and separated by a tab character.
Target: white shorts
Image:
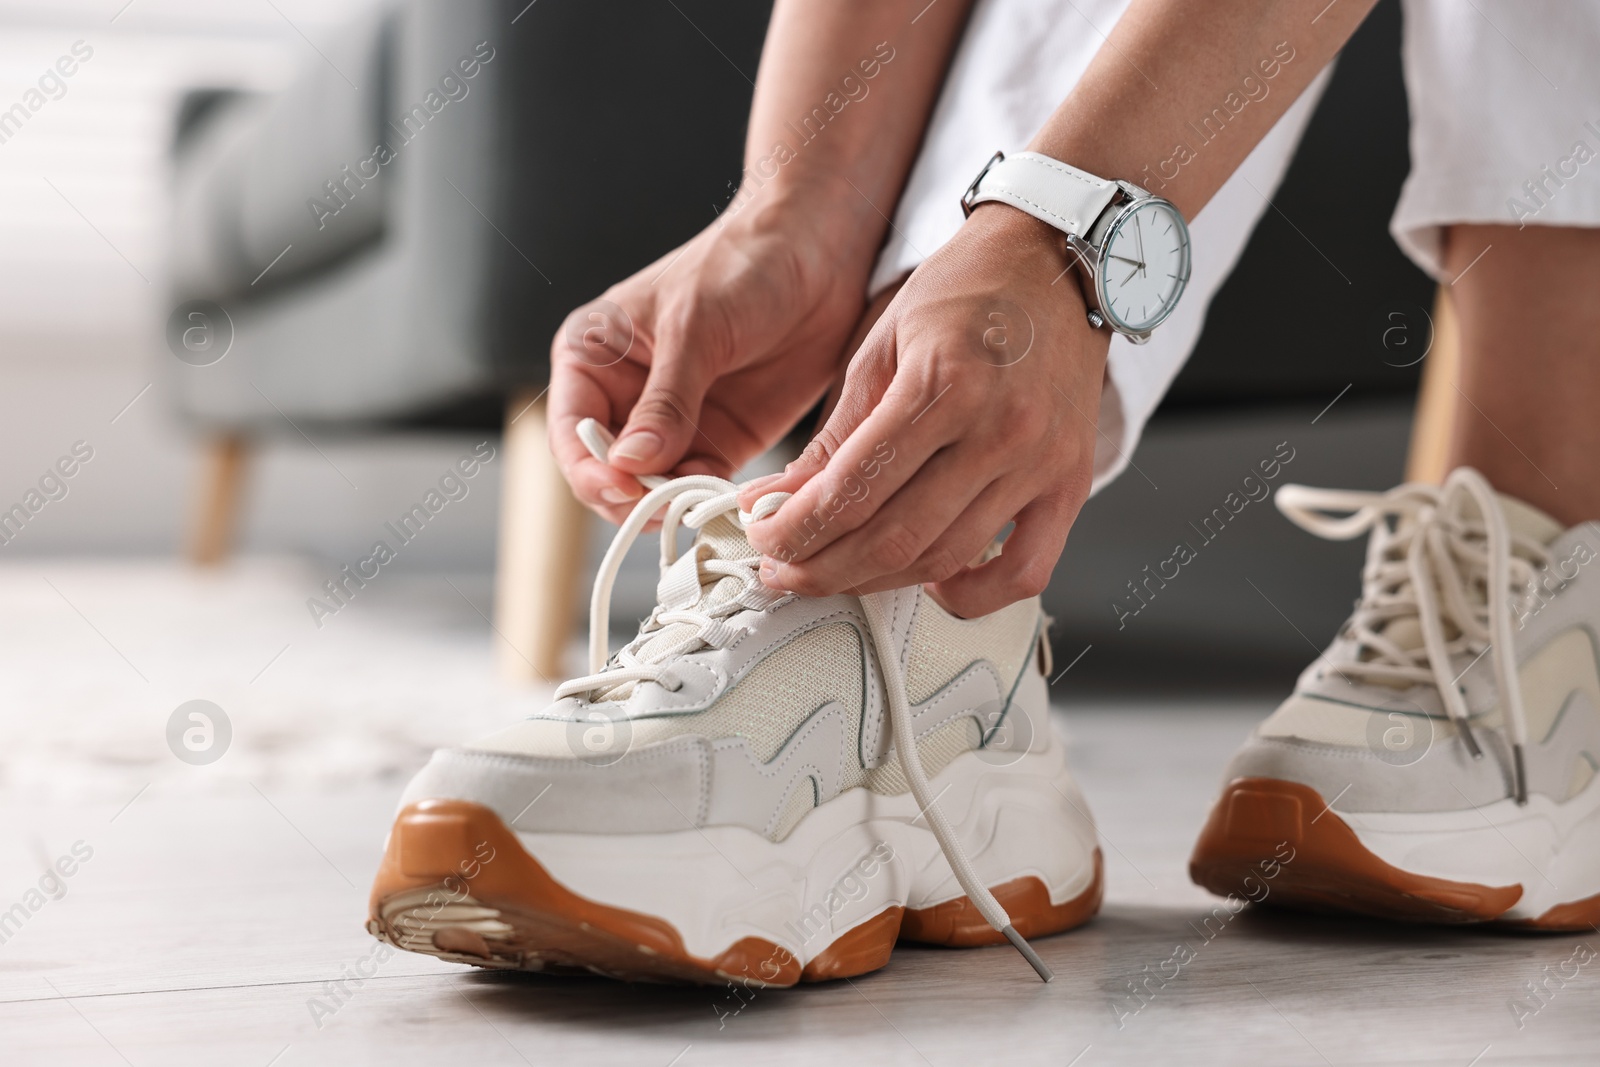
1484	119
1505	117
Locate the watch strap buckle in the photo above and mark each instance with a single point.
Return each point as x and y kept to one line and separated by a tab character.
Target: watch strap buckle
968	198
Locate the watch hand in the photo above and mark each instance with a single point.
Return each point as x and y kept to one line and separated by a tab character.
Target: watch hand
1125	259
1138	232
1131	273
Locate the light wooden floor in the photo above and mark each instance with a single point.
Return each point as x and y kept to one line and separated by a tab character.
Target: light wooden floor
201	931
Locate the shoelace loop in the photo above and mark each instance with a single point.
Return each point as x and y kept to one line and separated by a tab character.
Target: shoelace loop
1449	560
691	502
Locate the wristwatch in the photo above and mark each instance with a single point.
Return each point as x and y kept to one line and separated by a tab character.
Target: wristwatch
1133	248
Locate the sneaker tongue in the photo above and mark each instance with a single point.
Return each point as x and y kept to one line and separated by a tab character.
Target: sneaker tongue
1524	520
726	540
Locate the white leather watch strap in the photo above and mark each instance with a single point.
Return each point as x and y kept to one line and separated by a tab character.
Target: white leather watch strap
1065	197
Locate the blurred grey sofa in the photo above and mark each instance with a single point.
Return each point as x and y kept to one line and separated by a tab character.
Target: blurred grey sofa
396	236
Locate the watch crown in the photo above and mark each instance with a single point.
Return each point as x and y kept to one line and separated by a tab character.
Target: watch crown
1096	319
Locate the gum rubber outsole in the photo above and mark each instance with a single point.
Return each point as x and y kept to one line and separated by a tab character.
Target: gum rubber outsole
1332	871
456	883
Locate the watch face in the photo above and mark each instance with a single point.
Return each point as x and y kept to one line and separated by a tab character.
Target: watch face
1145	265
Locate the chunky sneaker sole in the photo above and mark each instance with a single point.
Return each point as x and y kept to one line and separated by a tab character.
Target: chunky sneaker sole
725	903
1443	867
759	787
1441	761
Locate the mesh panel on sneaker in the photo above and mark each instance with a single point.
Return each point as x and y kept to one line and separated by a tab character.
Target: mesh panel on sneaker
937	750
767	705
942	646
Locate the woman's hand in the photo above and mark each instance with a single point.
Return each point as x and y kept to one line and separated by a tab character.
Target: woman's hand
970	405
704	359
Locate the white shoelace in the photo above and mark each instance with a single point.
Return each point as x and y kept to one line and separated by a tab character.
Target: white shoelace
692	502
1437	563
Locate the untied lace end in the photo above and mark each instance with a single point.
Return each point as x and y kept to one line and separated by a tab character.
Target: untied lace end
905	746
1020	943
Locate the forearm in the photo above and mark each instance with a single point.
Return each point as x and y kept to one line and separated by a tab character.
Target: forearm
841	102
1184	89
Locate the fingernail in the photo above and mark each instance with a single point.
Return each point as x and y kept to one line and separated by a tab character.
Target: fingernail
769	571
638	446
612	495
757	483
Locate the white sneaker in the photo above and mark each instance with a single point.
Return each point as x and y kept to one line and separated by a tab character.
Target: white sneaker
728	796
1438	762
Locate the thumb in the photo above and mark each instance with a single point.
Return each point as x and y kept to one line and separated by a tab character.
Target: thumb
661	425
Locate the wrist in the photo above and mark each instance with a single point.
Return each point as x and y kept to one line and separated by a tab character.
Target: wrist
1028	244
815	207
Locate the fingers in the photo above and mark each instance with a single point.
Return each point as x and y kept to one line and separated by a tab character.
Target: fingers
576	394
661	427
909	539
867	376
1021	570
873	438
858	337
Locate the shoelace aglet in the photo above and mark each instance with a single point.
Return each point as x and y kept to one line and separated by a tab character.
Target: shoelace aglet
1519	773
1020	943
1469	740
598	440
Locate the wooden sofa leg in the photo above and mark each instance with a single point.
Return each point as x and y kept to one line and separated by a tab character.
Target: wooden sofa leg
1436	399
216	515
541	552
